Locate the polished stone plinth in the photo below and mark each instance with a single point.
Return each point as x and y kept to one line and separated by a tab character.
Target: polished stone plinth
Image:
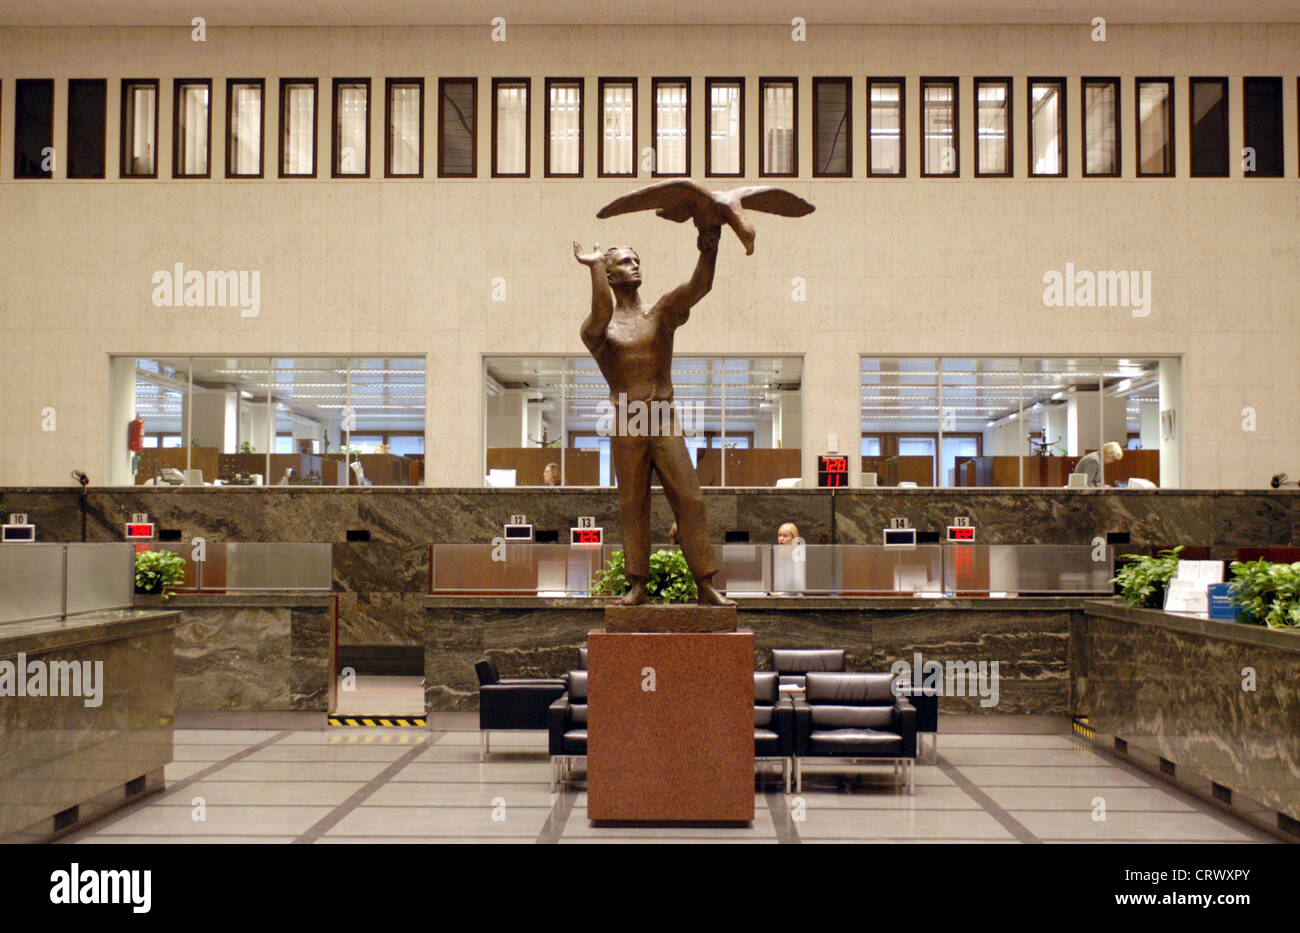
105	741
683	617
670	727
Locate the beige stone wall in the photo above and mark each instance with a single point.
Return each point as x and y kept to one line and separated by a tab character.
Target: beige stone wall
892	266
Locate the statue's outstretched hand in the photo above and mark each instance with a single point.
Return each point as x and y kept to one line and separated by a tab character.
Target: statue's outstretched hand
588	259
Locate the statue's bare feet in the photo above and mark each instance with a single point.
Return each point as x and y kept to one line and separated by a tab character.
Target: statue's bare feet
709	595
635	595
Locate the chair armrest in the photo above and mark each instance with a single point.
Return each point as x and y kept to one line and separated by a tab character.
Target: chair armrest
783	721
557	721
905	725
802	725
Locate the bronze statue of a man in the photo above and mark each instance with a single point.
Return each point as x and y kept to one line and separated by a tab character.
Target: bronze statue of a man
634	349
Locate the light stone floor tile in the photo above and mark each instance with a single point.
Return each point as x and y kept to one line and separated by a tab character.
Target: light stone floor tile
1081	798
206	752
421	794
269	793
949	740
907	840
221	821
867	824
200	840
488	772
466	753
329	753
427	840
180	770
1101	775
928	798
1035	757
299	771
579	826
223	736
670	840
442	821
1127	827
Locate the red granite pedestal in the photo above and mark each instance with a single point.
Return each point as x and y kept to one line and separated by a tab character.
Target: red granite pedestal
670	730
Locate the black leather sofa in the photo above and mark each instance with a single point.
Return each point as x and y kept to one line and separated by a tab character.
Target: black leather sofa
926	701
511	704
793	663
567	727
854	716
773	723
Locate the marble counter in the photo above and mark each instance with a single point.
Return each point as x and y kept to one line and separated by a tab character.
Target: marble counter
1218	699
101	744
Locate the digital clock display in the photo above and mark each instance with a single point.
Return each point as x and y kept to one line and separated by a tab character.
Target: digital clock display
961	533
586	537
139	530
832	471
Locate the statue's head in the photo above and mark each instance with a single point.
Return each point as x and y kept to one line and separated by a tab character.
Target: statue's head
622	267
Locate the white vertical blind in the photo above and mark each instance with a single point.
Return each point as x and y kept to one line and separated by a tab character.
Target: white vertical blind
512	129
1101	156
1045	125
886	129
404	140
141	116
351	113
939	120
778	128
299	139
616	132
245	129
192	130
992	128
724	129
670	129
566	128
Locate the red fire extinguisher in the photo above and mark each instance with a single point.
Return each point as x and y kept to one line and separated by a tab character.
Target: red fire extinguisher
135	435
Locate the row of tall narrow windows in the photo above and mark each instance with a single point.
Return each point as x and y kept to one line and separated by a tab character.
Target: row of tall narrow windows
670	151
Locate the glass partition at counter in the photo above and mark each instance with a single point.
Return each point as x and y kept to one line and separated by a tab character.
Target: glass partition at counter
814	570
49	581
237	566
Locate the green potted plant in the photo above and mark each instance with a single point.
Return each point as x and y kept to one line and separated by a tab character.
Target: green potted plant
1143	581
155	571
1266	593
670	580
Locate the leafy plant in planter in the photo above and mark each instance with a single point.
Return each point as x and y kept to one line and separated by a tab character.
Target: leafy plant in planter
670	579
1266	593
155	571
1143	581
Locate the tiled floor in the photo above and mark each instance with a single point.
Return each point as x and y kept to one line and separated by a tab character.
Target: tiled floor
409	785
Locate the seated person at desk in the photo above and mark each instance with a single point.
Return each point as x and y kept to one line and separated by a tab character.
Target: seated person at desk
551	475
1090	465
788	577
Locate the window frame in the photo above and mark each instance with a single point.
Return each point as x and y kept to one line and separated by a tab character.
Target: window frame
231	83
18	122
1083	126
1222	82
902	127
443	84
927	81
817	82
581	84
763	84
1063	119
1010	105
177	84
527	84
285	84
1138	81
389	84
655	83
709	84
1281	129
102	83
601	170
127	84
335	169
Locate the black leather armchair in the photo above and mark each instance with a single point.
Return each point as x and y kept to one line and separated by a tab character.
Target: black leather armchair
793	663
854	716
511	704
567	728
773	723
926	701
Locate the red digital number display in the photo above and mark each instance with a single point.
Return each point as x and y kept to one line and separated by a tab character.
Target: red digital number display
832	471
139	531
961	533
585	536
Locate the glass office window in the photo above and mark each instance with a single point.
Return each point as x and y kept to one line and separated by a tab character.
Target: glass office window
139	129
1262	126
510	127
1155	117
886	120
671	126
351	138
833	127
87	107
298	128
563	127
1101	153
404	119
940	154
192	128
618	126
1047	127
1209	129
725	154
457	127
245	126
778	127
992	126
34	128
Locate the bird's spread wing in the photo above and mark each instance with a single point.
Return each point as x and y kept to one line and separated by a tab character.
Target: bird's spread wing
676	199
770	200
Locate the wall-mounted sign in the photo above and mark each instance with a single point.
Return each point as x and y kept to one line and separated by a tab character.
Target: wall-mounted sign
139	531
899	537
18	532
961	534
832	471
586	537
586	521
899	523
518	532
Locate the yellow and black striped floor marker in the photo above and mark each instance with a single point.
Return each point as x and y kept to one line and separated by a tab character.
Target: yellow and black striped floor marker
378	722
1082	728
